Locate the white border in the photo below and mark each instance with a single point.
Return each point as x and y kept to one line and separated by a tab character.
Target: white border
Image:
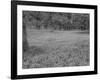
21	71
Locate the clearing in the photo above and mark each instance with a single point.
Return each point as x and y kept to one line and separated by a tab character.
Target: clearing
56	49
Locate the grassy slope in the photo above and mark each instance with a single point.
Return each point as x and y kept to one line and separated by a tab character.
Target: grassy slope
56	49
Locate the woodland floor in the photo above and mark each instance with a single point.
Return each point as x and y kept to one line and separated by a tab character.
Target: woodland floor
56	49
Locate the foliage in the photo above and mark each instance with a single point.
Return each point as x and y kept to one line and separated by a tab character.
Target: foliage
75	55
56	20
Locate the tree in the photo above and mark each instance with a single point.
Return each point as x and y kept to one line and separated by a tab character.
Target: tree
25	42
56	20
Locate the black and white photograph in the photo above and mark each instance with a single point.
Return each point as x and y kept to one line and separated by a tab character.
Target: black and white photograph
54	38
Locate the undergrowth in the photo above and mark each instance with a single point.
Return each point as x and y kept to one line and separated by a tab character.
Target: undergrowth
76	54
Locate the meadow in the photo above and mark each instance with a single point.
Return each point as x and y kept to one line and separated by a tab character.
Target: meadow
56	49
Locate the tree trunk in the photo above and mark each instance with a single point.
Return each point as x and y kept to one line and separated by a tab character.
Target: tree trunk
25	42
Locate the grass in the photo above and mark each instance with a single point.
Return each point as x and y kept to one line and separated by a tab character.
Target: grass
56	49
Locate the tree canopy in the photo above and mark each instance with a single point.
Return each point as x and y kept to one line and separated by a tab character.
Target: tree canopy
55	20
